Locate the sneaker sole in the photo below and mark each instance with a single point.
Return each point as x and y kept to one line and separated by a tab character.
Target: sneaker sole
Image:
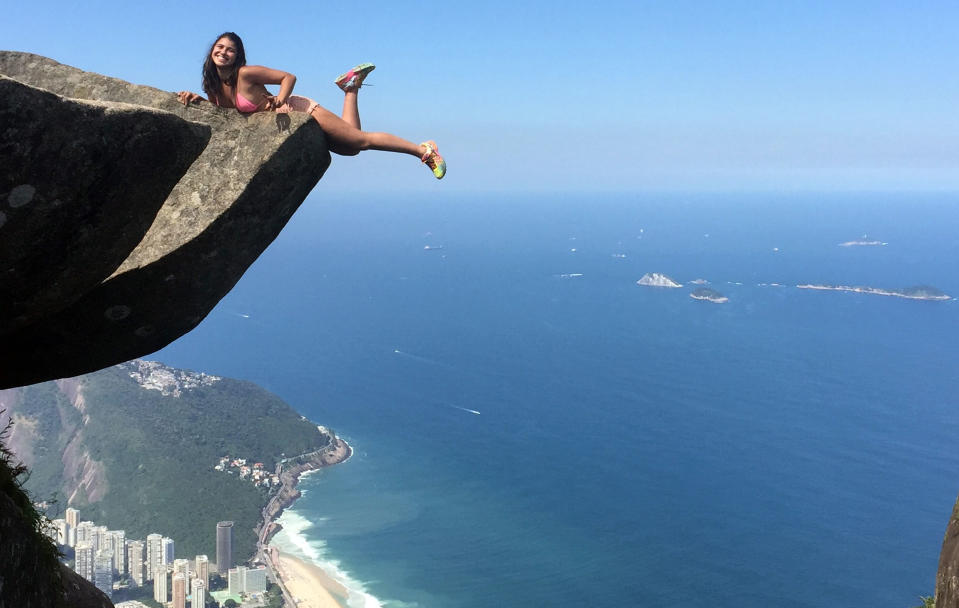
363	67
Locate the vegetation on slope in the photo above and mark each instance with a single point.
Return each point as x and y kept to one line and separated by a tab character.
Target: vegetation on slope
30	572
158	453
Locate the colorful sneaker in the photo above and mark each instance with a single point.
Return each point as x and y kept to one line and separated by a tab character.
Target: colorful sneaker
433	160
353	79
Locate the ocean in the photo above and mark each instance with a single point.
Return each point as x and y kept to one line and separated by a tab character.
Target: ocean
532	428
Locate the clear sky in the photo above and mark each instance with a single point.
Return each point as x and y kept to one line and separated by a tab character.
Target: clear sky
543	96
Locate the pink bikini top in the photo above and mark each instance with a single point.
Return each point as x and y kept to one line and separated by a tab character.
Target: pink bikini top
244	105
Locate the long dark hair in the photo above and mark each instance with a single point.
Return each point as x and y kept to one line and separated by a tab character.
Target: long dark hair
212	83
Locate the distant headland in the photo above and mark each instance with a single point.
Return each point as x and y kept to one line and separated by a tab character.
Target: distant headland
655	279
919	292
863	242
710	295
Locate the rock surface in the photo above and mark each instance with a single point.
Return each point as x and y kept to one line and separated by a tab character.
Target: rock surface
125	216
947	578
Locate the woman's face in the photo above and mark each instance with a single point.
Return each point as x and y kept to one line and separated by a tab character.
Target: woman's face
224	52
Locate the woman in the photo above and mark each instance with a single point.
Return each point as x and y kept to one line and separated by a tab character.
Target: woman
230	83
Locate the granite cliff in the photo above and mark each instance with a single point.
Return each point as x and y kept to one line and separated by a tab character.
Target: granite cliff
947	577
125	216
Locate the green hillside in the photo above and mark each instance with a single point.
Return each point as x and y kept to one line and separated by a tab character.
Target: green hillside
156	452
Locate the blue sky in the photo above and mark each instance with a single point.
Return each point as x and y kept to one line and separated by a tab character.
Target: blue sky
546	96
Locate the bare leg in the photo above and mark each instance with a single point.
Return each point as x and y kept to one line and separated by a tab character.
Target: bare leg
348	140
351	108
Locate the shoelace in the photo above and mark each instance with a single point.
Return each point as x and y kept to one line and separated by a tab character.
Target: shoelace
428	158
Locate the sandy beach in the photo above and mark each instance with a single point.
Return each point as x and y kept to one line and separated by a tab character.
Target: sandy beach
310	586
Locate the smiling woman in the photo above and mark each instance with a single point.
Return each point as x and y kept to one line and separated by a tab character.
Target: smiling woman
230	83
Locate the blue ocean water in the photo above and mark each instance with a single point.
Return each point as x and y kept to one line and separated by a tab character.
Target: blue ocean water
531	428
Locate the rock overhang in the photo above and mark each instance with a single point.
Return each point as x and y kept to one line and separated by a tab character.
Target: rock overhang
152	212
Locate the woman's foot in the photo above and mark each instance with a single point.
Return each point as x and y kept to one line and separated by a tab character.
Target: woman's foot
352	80
431	157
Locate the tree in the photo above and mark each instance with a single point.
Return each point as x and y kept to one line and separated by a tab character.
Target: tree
229	604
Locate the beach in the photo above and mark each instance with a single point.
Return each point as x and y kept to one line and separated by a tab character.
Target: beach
303	582
309	585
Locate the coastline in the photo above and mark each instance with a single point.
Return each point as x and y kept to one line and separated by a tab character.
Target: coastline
304	584
875	291
290	478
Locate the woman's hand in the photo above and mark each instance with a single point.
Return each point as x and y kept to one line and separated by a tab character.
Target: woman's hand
273	103
186	97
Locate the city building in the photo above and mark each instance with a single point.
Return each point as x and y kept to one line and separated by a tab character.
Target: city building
224	547
135	563
182	566
198	594
103	572
246	580
167	550
83	560
73	517
154	555
160	591
117	543
236	580
85	533
255	580
202	568
179	590
100	539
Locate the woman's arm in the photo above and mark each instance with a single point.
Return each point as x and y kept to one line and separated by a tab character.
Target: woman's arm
257	74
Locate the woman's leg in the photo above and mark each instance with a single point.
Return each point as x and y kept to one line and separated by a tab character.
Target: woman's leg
351	108
349	140
350	83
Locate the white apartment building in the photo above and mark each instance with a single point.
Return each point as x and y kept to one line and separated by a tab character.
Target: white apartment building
83	559
154	555
85	533
135	562
117	543
198	594
160	586
103	572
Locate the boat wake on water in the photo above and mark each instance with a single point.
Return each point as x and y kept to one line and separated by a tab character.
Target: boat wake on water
465	409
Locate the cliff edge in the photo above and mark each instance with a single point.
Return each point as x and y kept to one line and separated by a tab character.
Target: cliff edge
125	216
947	576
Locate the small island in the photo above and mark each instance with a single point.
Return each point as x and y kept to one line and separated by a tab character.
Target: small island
863	242
919	292
699	282
655	279
709	295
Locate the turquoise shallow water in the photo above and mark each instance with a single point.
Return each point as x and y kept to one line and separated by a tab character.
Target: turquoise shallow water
525	438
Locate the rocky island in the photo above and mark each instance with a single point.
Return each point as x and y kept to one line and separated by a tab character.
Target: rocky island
863	242
655	279
709	295
919	292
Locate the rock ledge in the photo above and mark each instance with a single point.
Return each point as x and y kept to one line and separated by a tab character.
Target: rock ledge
125	216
